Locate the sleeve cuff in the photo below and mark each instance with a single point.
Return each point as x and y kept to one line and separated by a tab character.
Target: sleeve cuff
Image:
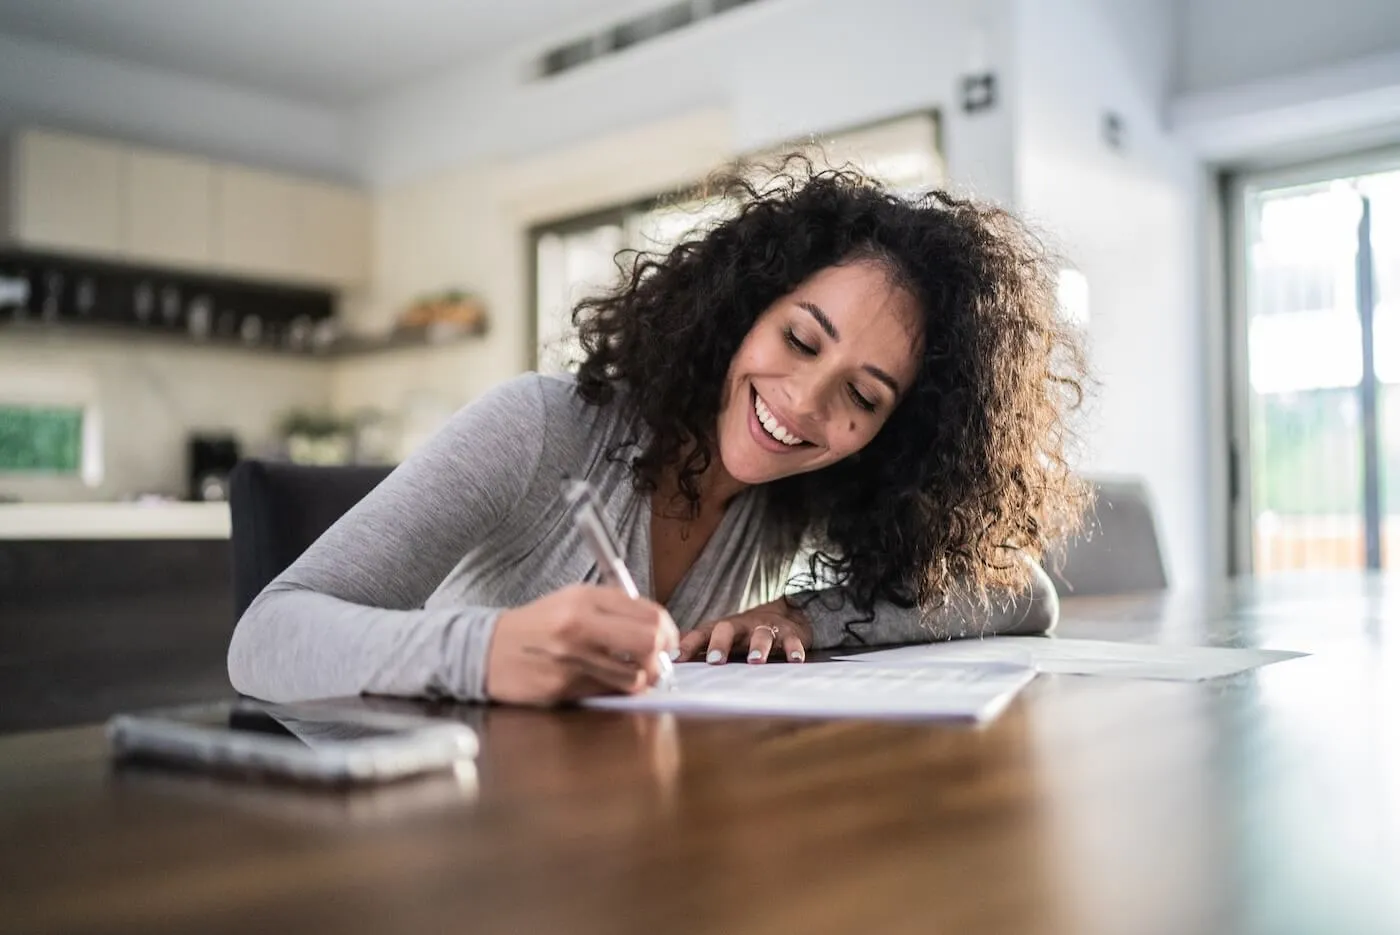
467	650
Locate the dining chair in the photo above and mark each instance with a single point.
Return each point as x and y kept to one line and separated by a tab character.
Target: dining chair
278	509
1119	550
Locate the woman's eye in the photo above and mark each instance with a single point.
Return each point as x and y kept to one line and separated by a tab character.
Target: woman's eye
797	345
856	397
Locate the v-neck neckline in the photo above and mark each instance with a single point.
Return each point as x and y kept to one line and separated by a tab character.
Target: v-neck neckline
731	513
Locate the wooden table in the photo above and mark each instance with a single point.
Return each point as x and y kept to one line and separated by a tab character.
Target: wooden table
1266	802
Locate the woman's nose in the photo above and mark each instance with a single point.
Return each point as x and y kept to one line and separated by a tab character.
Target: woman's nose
807	398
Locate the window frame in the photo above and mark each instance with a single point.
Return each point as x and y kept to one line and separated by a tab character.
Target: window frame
846	137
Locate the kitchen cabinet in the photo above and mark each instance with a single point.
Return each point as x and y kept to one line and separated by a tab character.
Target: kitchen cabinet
254	217
169	209
283	227
332	234
67	193
87	197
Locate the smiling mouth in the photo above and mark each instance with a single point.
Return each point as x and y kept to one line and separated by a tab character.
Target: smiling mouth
772	427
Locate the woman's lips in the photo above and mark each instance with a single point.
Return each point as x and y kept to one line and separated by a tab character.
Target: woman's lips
760	434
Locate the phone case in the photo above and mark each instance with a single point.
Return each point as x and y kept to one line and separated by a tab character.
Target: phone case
424	744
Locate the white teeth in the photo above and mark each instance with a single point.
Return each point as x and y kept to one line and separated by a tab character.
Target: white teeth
771	425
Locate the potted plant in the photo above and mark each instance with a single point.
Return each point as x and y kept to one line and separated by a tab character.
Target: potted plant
317	437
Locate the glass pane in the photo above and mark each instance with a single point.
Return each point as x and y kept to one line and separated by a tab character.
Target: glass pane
1307	481
570	267
41	439
1305	367
660	229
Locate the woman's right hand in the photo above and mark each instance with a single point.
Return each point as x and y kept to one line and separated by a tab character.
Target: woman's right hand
578	641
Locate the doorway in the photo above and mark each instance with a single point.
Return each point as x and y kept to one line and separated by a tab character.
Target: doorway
1316	338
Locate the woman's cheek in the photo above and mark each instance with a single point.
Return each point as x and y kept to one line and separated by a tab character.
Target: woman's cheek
858	439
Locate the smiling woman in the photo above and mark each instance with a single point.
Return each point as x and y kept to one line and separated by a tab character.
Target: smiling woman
894	370
878	381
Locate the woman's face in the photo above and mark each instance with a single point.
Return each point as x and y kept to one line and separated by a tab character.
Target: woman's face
819	374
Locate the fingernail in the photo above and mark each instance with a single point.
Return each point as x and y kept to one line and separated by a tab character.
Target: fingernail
796	657
755	655
714	656
674	654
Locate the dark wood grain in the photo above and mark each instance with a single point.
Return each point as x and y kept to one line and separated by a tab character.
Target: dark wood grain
1268	802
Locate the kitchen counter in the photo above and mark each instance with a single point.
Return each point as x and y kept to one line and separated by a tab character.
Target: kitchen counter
55	521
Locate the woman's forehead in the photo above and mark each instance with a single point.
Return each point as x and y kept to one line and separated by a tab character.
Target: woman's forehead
872	314
864	290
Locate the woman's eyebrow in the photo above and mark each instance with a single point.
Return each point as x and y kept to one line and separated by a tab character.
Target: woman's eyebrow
821	318
883	377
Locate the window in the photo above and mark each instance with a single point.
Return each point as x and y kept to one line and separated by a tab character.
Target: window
1319	400
577	257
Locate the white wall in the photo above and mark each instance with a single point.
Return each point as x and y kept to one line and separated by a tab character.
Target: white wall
782	68
468	162
467	228
149	397
1265	82
1233	42
1127	219
448	218
45	85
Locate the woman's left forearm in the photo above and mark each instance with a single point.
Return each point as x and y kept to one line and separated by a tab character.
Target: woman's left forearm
834	623
1034	611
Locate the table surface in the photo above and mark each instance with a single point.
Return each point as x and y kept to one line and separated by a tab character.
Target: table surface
1263	802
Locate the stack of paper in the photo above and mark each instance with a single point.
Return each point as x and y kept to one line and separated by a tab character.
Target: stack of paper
960	680
936	690
1084	657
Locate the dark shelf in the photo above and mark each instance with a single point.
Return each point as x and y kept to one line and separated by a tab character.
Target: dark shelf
350	346
82	298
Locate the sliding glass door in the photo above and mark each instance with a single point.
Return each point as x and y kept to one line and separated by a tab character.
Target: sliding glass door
1318	413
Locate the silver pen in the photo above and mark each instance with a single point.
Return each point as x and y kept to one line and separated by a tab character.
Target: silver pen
588	516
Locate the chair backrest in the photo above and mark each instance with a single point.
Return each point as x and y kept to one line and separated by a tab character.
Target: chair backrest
1119	551
279	509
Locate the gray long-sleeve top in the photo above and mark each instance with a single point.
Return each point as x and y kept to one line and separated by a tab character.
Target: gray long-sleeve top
402	594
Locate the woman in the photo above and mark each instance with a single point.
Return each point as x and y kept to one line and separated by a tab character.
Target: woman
875	383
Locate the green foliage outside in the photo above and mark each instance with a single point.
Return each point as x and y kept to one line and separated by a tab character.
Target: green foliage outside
1307	457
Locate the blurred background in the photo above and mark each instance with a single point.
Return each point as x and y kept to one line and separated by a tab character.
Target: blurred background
312	229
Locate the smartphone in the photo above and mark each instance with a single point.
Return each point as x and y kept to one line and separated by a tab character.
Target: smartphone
312	742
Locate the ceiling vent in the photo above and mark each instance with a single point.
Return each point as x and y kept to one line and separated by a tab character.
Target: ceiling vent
630	33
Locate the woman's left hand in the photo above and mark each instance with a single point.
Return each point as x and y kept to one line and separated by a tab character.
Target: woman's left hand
769	630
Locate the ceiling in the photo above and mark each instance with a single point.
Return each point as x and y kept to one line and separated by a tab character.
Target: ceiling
331	52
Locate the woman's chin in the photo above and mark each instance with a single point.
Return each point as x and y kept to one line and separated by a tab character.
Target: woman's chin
753	472
748	471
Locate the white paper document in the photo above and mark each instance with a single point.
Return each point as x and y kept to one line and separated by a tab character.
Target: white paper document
936	691
1084	657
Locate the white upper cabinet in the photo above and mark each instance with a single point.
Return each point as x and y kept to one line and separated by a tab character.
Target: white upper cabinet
67	193
254	223
88	197
169	204
332	233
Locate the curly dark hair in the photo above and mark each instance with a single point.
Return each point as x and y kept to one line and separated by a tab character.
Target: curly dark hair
971	466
